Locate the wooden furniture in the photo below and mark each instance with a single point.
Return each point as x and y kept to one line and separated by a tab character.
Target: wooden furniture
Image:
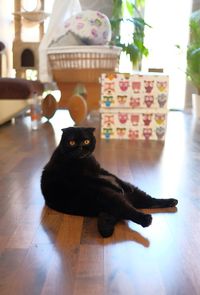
14	95
25	53
2	47
80	67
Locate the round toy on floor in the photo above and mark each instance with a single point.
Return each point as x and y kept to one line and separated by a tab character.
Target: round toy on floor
49	106
77	108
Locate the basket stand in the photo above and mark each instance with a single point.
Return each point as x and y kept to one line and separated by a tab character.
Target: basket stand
81	65
69	89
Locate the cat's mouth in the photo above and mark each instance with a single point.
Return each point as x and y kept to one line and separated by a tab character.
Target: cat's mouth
80	154
84	155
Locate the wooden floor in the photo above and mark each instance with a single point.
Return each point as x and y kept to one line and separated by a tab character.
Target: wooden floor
49	253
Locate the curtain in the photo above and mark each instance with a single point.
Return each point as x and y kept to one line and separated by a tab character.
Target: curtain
62	9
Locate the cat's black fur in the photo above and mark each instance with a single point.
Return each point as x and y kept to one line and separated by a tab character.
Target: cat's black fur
73	182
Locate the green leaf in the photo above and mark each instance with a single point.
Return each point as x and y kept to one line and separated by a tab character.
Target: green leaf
130	7
193	50
139	3
136	48
117	8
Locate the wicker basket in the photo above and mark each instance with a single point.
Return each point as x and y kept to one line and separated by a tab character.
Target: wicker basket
82	63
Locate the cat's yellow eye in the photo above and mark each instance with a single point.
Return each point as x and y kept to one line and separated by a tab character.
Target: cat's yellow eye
86	142
72	142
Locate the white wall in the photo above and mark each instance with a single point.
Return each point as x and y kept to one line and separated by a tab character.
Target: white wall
105	6
6	9
6	30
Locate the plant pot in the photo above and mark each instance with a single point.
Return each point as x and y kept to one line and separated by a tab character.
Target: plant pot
196	105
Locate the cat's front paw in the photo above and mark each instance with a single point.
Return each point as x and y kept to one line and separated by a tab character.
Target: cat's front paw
106	224
146	220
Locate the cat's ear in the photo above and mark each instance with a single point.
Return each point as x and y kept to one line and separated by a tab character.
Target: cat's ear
66	129
91	129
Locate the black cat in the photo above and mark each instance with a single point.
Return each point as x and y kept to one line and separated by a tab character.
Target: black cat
73	182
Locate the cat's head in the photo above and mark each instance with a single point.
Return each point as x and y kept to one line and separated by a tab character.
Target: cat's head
77	142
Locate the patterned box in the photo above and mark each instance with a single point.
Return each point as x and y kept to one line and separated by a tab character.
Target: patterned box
134	106
133	124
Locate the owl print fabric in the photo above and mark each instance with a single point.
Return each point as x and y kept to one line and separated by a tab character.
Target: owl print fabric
134	106
134	91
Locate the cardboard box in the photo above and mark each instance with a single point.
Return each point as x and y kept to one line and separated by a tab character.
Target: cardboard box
134	106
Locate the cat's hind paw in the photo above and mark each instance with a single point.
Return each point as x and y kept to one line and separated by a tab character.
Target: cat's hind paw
146	220
172	202
164	203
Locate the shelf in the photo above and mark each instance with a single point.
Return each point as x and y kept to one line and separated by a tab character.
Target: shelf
33	16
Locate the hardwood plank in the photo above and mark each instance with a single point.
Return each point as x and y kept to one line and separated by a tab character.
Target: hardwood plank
61	275
46	252
10	262
90	270
32	272
90	234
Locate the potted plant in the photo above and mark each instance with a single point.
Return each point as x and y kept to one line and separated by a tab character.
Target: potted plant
193	59
135	48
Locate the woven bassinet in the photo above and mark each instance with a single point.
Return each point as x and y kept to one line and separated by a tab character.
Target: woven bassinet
82	63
